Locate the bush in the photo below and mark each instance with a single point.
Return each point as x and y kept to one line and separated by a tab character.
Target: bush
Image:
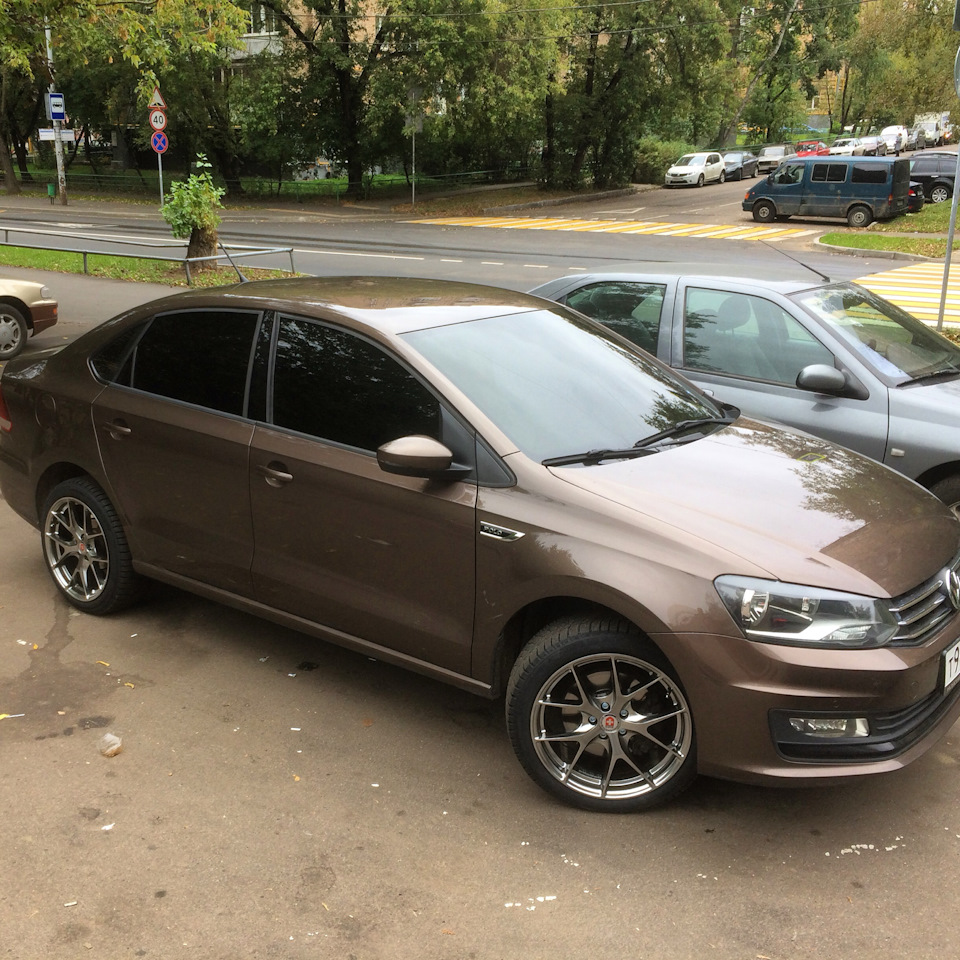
191	211
654	157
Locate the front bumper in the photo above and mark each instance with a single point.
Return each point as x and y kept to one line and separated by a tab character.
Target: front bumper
744	696
682	179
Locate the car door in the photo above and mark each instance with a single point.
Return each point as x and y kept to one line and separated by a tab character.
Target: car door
715	166
747	349
174	442
382	558
788	188
823	194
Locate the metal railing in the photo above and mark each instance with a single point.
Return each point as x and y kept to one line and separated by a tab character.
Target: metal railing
231	252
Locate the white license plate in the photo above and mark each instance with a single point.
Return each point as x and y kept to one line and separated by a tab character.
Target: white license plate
951	664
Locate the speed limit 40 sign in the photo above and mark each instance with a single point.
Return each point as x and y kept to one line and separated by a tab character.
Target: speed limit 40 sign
158	118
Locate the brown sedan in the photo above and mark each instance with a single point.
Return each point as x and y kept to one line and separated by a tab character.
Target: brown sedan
494	491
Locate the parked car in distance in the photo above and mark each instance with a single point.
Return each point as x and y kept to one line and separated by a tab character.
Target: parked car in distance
26	309
499	493
936	172
739	164
696	169
916	197
811	148
847	147
916	139
859	189
831	358
874	146
933	132
895	138
769	158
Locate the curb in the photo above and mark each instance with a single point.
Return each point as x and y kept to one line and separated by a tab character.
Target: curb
876	254
575	198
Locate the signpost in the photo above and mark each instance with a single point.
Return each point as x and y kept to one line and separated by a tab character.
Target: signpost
159	141
56	112
953	205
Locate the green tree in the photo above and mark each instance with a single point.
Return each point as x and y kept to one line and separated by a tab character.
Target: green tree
191	211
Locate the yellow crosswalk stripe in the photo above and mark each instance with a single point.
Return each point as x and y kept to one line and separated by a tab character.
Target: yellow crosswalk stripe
647	227
917	288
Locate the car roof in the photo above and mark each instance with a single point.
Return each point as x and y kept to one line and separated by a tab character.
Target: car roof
391	305
800	277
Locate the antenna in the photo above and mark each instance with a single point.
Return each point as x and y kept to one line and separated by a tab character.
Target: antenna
807	266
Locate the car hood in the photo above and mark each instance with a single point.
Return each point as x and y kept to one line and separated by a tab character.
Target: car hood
686	168
929	406
798	509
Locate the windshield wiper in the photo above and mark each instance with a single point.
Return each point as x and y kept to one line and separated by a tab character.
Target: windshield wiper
595	456
941	374
682	427
645	446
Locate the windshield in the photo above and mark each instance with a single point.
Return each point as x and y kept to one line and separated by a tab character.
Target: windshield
898	346
733	157
842	143
691	160
556	383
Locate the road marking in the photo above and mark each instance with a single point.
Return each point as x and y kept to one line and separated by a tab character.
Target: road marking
345	253
917	289
648	227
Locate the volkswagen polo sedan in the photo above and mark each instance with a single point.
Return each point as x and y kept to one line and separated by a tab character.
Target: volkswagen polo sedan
499	493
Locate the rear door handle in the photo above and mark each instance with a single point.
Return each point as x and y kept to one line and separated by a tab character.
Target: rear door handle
117	429
275	473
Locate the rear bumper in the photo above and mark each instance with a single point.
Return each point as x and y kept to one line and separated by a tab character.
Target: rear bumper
43	315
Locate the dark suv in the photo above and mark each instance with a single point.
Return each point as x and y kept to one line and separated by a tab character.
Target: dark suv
936	172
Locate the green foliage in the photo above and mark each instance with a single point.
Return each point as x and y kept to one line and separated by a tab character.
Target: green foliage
654	157
193	203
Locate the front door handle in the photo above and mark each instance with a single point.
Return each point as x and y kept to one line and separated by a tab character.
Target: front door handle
275	473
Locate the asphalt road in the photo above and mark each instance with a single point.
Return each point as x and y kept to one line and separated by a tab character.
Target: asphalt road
280	797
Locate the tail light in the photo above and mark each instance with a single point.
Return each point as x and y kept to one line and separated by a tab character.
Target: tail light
6	424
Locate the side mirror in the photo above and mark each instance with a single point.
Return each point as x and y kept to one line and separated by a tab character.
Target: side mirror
418	456
821	378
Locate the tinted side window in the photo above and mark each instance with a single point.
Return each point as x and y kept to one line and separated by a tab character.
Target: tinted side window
632	309
199	357
925	165
337	386
829	173
869	173
112	362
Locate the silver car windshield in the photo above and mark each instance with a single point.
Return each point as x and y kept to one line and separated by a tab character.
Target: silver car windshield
896	345
557	384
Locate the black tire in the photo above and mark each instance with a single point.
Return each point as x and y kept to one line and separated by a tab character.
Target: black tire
722	177
948	490
85	548
13	331
598	718
764	211
939	193
859	216
700	180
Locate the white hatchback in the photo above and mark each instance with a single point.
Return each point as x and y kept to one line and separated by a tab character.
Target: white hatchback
696	169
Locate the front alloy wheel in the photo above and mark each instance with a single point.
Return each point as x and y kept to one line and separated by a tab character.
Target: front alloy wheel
939	193
597	718
85	548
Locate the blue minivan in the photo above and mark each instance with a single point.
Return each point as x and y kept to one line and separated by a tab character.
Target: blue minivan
858	189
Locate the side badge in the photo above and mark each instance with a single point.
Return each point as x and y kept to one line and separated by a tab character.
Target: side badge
498	533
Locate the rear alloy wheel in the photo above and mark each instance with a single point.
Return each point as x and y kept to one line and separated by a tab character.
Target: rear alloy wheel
948	490
85	548
13	331
939	193
859	216
597	717
722	177
764	211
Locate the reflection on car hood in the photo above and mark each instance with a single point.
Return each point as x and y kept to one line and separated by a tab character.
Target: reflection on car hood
801	509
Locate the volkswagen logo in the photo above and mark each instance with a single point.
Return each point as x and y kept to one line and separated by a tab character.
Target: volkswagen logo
952	581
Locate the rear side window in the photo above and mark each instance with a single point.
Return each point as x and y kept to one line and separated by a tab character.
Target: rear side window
199	357
632	309
829	172
869	173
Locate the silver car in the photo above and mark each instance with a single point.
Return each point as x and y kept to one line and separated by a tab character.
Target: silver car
833	359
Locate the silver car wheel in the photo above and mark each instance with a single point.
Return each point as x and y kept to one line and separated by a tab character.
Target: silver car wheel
13	332
76	549
611	727
939	194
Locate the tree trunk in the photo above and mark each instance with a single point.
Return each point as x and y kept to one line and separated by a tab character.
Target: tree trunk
203	243
10	183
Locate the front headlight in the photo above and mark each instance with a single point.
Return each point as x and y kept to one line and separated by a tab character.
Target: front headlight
774	612
45	293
